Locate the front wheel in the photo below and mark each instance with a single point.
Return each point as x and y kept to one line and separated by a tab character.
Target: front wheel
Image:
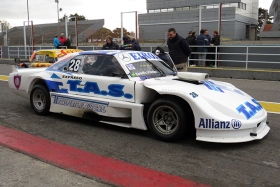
40	99
166	120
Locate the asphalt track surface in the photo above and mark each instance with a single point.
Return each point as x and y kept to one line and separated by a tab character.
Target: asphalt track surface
129	157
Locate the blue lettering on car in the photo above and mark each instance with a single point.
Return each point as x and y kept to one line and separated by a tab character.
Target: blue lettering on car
139	56
248	109
220	88
114	90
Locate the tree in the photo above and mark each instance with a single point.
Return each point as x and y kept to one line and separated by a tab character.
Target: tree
72	17
101	33
117	32
263	15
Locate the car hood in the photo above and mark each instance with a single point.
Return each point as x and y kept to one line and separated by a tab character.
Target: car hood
219	97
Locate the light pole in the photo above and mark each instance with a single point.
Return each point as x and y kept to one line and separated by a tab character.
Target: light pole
122	24
76	29
58	10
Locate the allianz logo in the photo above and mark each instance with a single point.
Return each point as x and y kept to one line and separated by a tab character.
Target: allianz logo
212	124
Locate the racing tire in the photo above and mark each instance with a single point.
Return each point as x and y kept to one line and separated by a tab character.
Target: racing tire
40	99
167	119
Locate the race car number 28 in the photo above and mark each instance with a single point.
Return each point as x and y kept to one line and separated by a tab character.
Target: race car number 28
74	65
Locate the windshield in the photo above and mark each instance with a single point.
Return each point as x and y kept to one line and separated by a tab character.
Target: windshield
149	69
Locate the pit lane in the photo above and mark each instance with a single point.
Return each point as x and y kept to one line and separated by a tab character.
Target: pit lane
254	163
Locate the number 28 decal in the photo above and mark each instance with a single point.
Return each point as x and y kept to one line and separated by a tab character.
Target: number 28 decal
74	65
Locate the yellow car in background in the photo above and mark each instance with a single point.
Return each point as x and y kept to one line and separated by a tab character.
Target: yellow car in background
46	57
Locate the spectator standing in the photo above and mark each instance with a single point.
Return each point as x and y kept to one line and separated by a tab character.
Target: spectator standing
216	41
208	56
179	49
67	43
201	42
127	44
135	43
62	39
110	44
56	42
189	35
192	42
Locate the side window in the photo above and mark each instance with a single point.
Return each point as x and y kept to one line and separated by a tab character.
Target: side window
75	64
101	65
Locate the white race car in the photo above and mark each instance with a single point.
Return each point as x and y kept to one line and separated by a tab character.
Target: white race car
136	89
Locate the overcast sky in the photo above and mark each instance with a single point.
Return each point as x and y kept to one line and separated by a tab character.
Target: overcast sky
45	11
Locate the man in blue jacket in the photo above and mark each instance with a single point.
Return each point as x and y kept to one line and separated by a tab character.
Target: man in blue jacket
56	42
202	41
179	49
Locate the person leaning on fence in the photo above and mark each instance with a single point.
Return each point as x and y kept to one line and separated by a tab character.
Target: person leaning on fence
216	40
179	49
62	39
110	44
67	43
201	42
56	42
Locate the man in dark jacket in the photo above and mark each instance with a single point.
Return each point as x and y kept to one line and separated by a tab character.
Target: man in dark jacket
110	44
192	42
179	49
216	40
128	44
201	42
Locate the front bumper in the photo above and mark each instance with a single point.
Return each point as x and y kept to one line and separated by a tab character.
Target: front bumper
233	136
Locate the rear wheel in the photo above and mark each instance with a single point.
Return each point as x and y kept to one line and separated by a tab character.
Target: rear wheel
40	99
167	119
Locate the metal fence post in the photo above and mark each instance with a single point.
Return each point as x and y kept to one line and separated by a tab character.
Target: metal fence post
247	56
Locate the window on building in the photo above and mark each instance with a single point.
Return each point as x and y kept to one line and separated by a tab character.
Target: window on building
186	8
157	10
170	9
163	10
151	11
179	9
193	7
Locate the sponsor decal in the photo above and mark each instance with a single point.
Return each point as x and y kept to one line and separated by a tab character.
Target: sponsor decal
249	109
17	81
114	90
145	73
71	77
55	76
130	66
95	106
220	88
125	57
212	124
139	56
236	124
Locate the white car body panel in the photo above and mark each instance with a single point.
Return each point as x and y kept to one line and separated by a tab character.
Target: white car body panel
222	112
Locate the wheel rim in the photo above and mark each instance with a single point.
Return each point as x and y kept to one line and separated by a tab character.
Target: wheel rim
39	100
165	120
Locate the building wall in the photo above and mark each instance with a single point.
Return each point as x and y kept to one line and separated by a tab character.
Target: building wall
155	25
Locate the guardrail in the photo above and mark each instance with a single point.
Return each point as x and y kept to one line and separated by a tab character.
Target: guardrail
228	56
243	54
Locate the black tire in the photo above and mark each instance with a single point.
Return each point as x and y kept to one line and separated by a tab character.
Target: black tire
172	116
40	99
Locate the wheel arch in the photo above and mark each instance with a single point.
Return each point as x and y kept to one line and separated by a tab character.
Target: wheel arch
34	82
183	103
